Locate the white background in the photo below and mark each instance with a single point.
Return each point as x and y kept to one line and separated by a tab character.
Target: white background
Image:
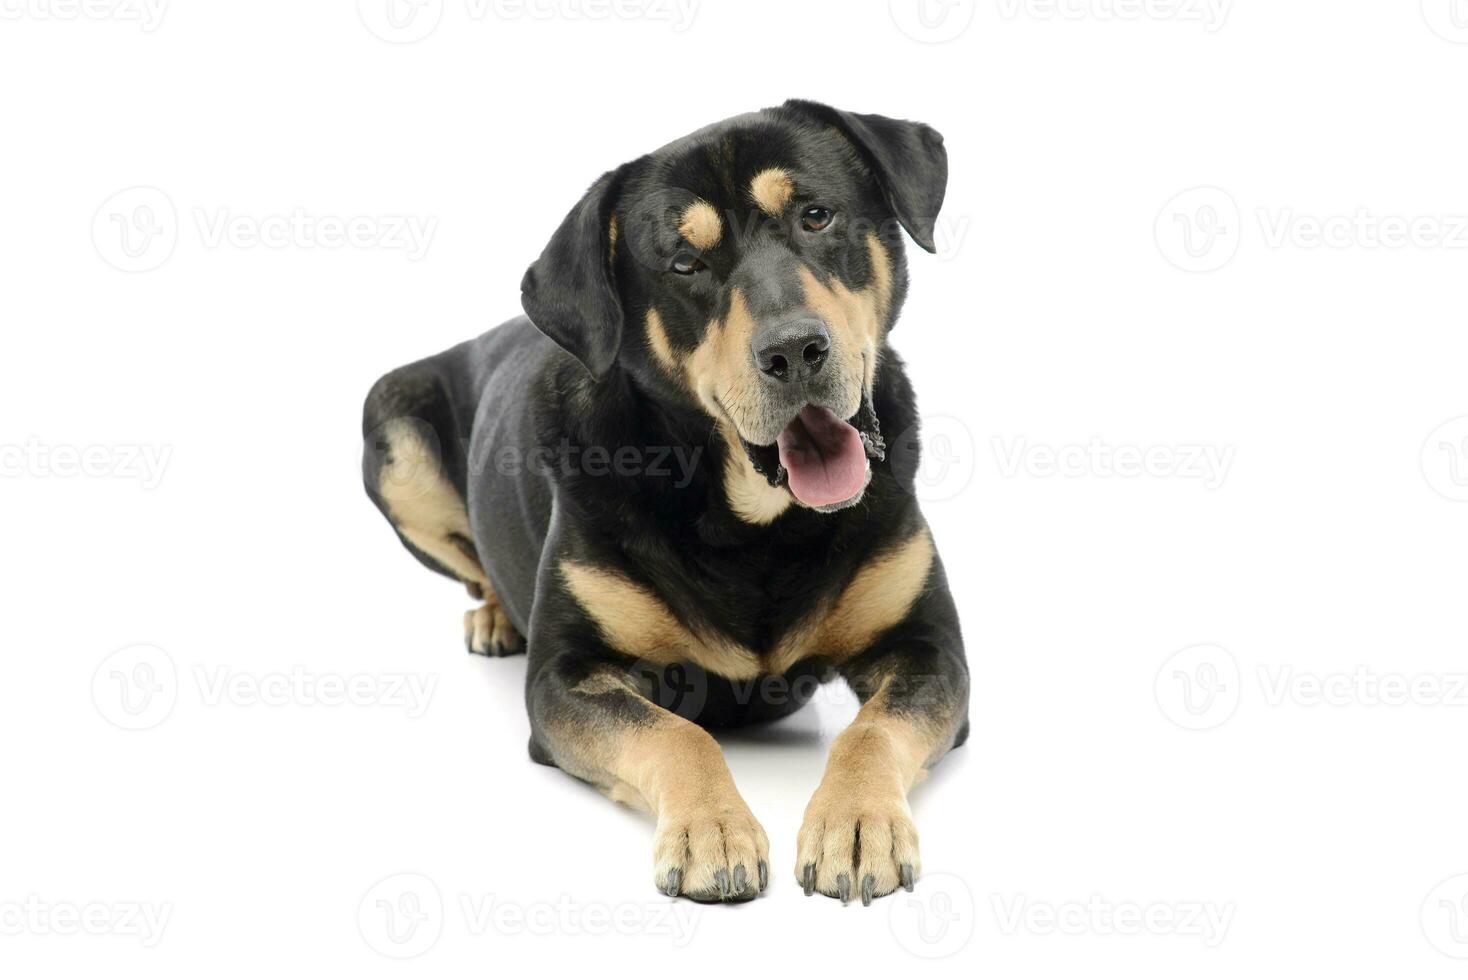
1106	779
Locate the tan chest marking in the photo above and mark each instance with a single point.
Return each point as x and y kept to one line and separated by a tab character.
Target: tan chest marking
637	623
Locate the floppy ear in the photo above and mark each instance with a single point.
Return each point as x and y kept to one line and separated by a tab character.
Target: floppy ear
569	292
907	157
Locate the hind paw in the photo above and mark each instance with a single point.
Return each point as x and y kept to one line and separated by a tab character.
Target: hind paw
487	631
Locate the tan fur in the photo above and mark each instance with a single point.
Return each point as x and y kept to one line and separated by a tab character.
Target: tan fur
612	238
707	842
858	829
425	507
772	190
637	623
701	226
489	626
721	369
427	510
657	339
722	375
750	495
854	318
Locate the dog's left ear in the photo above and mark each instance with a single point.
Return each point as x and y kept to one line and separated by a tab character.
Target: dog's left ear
907	157
570	292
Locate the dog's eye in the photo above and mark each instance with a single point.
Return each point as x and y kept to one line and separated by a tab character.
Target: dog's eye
686	264
816	218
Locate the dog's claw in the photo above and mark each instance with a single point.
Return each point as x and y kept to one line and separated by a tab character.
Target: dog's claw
721	880
674	882
764	875
741	879
810	879
905	875
843	887
868	889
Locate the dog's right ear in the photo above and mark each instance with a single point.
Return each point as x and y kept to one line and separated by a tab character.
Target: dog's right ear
570	292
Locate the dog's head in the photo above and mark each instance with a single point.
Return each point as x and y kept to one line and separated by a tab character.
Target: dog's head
751	271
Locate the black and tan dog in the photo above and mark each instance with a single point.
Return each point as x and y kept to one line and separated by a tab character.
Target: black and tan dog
671	481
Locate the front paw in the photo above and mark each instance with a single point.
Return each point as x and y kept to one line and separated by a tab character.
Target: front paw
856	842
711	853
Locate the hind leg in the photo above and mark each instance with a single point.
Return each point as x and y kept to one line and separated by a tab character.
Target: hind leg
488	630
407	479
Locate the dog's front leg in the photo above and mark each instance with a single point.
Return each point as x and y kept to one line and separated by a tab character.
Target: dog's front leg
594	724
858	835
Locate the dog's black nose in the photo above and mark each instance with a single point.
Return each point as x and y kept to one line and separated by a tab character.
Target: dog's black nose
793	350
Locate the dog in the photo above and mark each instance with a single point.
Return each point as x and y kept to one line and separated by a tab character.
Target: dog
668	484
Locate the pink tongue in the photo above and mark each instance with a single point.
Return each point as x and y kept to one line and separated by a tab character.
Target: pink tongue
824	458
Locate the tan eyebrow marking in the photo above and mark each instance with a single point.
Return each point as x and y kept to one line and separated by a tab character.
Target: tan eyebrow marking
657	339
772	189
701	226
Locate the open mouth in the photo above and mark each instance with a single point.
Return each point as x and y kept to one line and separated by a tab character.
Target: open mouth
821	457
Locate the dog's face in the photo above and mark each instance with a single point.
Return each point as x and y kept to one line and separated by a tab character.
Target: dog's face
750	272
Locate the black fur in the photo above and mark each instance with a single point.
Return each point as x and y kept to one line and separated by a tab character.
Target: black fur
588	379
